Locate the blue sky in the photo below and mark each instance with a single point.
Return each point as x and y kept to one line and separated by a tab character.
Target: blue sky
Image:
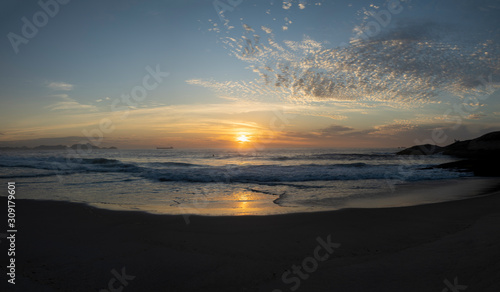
332	73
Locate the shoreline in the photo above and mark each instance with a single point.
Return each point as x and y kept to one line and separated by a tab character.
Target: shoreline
66	246
409	193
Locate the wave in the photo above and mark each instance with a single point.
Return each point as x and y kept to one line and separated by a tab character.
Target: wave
62	165
172	164
187	172
280	199
26	175
299	173
100	161
336	156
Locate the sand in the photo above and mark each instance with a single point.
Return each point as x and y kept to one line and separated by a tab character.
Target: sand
74	247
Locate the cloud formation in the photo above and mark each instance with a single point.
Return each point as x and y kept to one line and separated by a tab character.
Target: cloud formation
68	103
412	62
60	86
336	129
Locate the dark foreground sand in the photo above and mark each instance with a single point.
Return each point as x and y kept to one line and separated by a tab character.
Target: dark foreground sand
74	247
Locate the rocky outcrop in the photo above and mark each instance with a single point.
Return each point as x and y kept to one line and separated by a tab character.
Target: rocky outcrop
426	149
480	167
483	147
482	155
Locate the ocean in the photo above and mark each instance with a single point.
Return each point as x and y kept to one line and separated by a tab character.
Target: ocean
224	181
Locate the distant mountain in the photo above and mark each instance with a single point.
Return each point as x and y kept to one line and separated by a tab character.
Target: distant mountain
88	145
51	147
58	147
56	141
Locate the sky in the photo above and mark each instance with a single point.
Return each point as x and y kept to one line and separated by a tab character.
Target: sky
242	73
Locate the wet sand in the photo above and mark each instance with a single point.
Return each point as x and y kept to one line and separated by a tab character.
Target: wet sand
64	246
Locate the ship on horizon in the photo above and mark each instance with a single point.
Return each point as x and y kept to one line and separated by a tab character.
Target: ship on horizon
168	147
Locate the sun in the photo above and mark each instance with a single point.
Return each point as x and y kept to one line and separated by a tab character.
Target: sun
243	139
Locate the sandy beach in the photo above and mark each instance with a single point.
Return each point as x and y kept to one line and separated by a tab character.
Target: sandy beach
64	246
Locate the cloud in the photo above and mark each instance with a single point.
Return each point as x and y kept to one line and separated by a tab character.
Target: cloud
336	129
323	113
102	99
248	28
394	128
287	4
411	62
476	116
60	86
69	104
62	96
266	29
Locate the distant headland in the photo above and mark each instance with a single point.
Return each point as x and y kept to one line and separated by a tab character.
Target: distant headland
480	155
59	147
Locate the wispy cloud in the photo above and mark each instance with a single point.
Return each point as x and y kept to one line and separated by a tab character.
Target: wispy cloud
394	128
336	129
266	29
103	99
411	63
475	116
248	28
68	103
60	86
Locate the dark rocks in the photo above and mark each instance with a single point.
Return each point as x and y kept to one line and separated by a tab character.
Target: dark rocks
482	147
426	149
482	154
480	167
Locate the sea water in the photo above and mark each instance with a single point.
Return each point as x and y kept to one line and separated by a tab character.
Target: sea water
218	181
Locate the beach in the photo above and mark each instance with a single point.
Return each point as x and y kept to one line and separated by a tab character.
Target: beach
252	146
63	246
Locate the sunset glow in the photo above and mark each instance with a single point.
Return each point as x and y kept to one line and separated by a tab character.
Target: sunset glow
243	139
300	74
